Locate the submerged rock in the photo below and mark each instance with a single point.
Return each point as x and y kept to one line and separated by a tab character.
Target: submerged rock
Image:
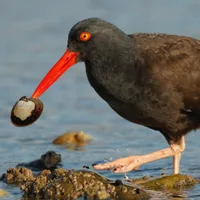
49	160
73	140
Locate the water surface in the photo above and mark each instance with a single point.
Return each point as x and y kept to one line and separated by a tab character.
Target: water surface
33	36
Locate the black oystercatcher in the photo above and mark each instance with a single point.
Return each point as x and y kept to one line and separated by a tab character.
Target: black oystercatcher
149	79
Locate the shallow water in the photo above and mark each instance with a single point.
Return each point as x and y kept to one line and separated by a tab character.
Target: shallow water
33	36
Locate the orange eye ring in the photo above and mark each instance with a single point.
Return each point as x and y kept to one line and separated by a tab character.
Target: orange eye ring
85	36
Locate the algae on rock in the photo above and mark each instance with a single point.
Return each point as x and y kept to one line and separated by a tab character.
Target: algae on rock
173	182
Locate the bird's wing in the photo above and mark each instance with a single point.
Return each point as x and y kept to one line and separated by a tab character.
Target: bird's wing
174	60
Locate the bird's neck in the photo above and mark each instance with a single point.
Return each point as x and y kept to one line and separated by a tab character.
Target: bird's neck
115	69
112	57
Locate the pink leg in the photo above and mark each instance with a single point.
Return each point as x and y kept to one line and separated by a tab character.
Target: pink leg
176	160
133	162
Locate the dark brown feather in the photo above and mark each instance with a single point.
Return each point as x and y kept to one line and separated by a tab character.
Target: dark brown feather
174	62
149	79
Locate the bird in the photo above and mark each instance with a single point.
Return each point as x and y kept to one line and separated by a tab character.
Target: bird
150	79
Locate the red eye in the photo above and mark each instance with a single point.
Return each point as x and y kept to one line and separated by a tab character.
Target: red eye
85	36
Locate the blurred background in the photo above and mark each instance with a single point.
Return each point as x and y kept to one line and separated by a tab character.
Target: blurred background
33	35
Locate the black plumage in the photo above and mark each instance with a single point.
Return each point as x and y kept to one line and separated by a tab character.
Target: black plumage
149	79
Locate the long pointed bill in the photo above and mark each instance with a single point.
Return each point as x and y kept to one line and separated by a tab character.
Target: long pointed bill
66	61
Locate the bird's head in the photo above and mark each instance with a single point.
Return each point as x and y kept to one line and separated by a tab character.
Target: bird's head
92	35
87	38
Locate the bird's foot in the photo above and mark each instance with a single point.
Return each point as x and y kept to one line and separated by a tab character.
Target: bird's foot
127	164
121	165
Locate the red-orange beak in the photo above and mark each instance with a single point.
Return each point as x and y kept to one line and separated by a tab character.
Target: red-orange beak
66	61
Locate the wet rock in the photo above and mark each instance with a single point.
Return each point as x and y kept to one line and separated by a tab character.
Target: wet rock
3	193
171	184
73	140
140	180
118	182
171	187
49	160
34	189
17	176
174	182
69	184
86	167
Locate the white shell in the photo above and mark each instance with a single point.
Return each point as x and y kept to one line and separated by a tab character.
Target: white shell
23	109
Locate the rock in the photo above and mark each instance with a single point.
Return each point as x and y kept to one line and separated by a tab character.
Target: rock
73	140
3	193
49	160
17	176
171	187
69	184
174	182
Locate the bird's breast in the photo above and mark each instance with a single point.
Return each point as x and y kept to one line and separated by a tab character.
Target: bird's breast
136	100
110	84
121	95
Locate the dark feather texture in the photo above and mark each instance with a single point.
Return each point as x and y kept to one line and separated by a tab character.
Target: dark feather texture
149	79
